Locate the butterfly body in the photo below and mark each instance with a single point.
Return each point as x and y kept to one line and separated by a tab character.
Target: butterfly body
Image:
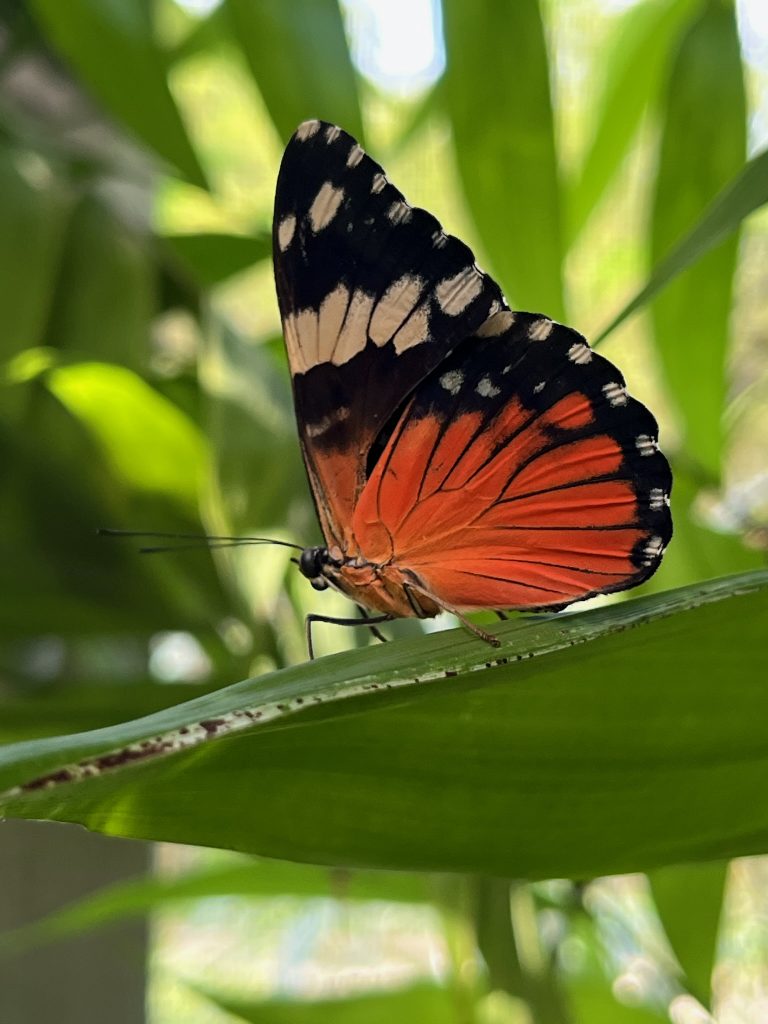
461	455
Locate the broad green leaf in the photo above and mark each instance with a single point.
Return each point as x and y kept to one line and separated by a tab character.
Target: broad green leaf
425	1004
210	259
689	899
111	47
634	63
34	208
263	879
702	146
105	297
745	193
505	146
638	727
148	441
299	57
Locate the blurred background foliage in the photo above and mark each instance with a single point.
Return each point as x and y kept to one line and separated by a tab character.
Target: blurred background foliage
577	145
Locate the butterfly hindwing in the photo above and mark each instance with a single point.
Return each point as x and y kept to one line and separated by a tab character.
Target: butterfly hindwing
522	474
373	296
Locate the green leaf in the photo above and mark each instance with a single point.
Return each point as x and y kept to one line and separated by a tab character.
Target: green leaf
212	258
261	879
172	450
105	296
505	146
744	194
34	208
689	899
111	47
634	61
423	1003
351	760
299	57
703	145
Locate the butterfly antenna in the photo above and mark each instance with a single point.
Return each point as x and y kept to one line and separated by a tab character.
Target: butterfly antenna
211	541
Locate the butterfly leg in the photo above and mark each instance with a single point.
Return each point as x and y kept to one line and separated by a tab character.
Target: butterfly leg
502	615
366	620
376	632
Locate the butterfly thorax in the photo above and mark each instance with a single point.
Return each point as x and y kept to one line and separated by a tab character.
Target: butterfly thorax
381	587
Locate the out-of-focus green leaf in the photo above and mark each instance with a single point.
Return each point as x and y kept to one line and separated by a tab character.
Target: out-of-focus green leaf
106	293
262	879
34	208
110	45
299	58
747	191
150	443
634	62
351	760
427	1004
689	899
213	258
257	463
505	145
702	147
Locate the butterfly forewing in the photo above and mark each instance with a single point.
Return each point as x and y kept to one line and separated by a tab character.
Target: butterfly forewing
522	474
373	296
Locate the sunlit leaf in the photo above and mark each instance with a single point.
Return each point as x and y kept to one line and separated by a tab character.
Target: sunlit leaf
505	146
299	58
263	879
746	192
350	760
634	64
702	147
150	443
212	258
110	45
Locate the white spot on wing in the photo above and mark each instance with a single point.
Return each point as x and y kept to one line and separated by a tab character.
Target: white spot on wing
306	130
414	330
353	336
325	424
657	499
332	133
538	388
333	309
541	329
486	388
452	381
301	340
455	293
615	393
325	206
652	549
646	445
439	238
496	324
355	156
285	231
378	183
399	212
580	353
395	305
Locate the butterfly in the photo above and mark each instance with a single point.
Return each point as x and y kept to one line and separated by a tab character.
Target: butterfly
461	456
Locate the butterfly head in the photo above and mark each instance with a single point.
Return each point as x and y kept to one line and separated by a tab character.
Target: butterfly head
313	563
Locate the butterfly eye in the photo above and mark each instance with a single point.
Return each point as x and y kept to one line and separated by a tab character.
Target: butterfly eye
311	561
